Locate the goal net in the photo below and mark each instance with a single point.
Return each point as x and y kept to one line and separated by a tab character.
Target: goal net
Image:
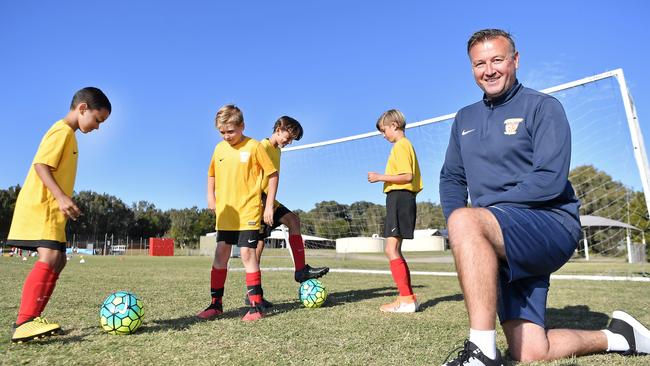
326	183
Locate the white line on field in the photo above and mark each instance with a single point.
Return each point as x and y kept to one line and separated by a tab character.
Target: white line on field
453	274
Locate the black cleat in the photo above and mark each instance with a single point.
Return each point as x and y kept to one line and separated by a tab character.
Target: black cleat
211	312
254	313
472	355
265	304
308	273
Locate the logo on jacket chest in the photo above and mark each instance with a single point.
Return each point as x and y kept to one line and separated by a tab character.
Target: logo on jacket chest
511	125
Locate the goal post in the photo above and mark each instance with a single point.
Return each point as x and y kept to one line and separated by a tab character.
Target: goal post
636	136
326	182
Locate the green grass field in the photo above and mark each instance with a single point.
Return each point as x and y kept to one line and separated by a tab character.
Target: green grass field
348	330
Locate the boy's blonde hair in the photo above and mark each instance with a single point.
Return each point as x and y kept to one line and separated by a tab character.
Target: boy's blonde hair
390	116
229	114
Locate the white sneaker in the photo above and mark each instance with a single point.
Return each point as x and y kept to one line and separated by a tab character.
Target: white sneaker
403	304
635	333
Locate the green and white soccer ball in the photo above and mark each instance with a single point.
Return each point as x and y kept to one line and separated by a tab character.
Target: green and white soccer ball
312	293
121	313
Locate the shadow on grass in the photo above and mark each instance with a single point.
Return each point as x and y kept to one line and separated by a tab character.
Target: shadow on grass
184	322
339	298
63	337
433	302
576	317
571	317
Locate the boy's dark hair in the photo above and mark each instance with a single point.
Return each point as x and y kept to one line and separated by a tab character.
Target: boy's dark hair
487	34
289	124
93	97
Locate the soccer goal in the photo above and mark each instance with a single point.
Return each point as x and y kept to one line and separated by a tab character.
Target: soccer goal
326	182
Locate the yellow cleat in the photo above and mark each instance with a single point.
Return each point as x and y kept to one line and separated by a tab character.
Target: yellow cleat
35	328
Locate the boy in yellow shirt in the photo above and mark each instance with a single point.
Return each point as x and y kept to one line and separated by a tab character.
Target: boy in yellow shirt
402	182
285	131
44	206
238	165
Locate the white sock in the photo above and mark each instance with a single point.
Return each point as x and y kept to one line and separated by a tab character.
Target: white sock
615	342
486	340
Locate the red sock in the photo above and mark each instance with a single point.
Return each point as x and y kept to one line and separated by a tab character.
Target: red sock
50	284
298	251
217	283
401	276
35	293
254	287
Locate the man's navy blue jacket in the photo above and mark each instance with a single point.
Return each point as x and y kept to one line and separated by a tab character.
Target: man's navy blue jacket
514	150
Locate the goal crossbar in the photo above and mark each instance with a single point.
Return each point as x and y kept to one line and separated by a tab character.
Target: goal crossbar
636	136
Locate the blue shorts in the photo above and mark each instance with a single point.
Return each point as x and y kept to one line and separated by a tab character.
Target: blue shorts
536	245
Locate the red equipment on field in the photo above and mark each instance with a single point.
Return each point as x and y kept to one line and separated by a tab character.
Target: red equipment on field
161	246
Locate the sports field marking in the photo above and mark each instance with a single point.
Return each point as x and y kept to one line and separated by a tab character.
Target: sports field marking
453	274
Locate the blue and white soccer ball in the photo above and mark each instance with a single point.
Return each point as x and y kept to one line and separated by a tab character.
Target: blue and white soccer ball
121	313
312	293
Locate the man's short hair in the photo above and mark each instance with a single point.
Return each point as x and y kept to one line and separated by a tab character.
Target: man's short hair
487	34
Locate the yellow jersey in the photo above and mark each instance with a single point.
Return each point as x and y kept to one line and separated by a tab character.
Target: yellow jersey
238	172
273	153
37	215
402	160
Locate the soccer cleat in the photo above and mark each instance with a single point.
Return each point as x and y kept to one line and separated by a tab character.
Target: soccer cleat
309	272
254	313
403	304
211	312
636	335
265	304
471	355
35	328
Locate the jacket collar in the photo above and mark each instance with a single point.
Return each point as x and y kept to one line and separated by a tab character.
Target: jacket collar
502	99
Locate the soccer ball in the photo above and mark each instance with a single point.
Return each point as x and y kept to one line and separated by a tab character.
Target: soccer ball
312	293
121	313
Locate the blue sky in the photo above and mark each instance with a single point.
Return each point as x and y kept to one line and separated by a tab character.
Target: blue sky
335	66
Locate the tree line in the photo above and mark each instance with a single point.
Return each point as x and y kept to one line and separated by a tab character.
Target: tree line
333	220
104	214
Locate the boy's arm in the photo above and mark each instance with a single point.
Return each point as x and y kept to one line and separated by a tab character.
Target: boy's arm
66	205
210	194
402	155
270	198
398	179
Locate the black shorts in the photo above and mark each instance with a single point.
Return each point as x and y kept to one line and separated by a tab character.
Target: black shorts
400	214
278	213
35	244
243	238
